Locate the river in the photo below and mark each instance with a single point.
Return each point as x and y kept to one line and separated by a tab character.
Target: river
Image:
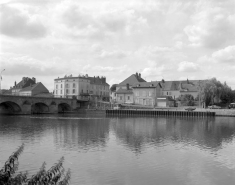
103	150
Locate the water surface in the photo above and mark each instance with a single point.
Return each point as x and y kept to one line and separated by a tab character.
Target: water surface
103	150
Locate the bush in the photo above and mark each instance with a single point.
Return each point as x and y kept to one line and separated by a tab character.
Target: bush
187	100
54	176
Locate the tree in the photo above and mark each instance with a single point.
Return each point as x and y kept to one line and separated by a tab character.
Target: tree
187	100
213	91
55	175
113	88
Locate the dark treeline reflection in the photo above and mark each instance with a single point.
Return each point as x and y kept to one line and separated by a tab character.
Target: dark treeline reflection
81	133
21	127
206	133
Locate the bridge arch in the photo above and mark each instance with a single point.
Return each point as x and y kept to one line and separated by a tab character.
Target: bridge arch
64	107
39	108
9	107
26	102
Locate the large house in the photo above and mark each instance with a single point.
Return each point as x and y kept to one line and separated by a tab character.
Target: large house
175	89
162	93
124	90
81	87
25	82
34	90
145	93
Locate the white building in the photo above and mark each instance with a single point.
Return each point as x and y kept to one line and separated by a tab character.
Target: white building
81	87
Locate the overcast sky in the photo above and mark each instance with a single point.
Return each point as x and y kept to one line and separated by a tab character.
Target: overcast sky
170	39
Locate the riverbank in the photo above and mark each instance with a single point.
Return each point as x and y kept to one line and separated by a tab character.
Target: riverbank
218	112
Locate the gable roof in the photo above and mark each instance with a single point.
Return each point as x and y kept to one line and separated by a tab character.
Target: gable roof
124	91
146	85
131	80
31	87
25	82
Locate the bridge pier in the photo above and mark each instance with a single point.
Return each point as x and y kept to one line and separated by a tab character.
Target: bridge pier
27	104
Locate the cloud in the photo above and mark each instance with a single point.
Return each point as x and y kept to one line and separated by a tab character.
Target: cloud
213	26
226	55
113	54
188	67
17	23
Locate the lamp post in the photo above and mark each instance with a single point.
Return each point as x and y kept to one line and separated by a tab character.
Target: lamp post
1	81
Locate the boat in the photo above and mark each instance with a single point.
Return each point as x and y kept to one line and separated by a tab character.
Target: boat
190	109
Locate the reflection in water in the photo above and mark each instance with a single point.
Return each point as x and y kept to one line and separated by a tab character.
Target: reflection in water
208	133
85	135
131	151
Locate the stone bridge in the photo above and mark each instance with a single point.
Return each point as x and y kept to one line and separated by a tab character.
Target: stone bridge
10	104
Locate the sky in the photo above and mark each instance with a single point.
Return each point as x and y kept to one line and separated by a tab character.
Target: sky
161	39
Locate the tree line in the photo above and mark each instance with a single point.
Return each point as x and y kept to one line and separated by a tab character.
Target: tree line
211	92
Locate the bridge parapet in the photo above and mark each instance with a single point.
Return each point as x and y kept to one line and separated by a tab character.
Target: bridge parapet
28	104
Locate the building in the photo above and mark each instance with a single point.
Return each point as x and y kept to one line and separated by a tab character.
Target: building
124	95
124	91
175	89
34	90
25	82
81	87
145	93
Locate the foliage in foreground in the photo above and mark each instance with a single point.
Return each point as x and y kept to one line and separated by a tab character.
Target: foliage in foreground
54	176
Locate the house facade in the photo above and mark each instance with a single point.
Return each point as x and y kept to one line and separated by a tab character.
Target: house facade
145	93
33	90
124	90
124	96
25	82
176	89
81	87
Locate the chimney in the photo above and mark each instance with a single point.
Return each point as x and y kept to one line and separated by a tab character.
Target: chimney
163	81
15	83
139	75
136	74
127	86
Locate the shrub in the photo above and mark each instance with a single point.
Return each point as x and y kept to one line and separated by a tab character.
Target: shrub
54	176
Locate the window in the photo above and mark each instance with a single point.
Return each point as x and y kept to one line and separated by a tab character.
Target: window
61	86
74	91
120	97
73	85
67	85
166	93
137	100
150	93
144	93
128	97
56	86
56	92
61	92
147	101
82	90
67	91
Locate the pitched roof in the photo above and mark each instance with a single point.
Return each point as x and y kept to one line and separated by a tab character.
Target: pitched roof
146	84
184	85
131	80
25	82
98	81
30	88
189	87
124	91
